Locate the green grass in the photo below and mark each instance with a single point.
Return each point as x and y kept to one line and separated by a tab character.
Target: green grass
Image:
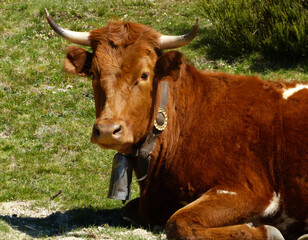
46	115
4	228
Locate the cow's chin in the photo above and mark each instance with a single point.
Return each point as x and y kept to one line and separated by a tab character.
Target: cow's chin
121	148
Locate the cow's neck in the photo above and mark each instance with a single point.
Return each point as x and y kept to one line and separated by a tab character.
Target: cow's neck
183	96
143	158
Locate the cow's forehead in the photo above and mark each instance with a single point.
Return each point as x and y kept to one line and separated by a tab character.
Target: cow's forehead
121	45
123	61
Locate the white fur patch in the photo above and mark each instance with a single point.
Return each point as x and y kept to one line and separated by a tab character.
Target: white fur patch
273	206
290	91
225	192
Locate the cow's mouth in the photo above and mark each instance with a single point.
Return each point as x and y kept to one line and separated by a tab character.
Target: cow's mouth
122	148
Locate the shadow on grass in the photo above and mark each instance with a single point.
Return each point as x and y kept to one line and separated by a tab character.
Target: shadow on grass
60	223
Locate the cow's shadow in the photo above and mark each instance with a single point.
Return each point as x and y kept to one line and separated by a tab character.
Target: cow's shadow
59	223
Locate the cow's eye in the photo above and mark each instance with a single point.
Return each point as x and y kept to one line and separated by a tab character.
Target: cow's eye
145	76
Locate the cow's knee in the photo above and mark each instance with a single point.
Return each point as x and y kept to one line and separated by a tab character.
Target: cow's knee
178	227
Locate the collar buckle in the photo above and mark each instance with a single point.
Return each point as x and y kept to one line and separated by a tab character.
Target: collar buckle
161	127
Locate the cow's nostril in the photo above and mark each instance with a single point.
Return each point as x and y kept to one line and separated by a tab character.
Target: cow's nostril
117	130
96	132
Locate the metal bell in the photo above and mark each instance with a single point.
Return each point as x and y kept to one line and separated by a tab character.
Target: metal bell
121	177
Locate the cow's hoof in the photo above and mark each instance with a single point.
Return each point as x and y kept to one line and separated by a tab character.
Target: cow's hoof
273	233
304	237
131	222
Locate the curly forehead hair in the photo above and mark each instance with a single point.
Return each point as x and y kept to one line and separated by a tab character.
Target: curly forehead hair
125	33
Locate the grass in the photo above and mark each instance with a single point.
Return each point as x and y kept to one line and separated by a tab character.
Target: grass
46	115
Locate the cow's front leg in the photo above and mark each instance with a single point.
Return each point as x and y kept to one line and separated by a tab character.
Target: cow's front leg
149	211
131	213
223	215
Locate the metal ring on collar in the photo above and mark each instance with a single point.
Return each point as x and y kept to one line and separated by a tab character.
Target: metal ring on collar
161	127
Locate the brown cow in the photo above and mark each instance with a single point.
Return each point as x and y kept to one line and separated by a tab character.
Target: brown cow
232	162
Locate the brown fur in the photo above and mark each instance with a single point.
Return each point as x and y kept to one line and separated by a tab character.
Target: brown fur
225	133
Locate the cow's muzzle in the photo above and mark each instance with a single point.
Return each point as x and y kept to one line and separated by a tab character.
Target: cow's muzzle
112	134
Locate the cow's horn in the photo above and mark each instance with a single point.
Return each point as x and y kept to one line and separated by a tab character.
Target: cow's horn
81	38
169	42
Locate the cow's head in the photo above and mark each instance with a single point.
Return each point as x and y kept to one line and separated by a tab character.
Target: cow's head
123	66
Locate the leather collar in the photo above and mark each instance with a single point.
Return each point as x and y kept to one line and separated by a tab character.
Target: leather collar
160	123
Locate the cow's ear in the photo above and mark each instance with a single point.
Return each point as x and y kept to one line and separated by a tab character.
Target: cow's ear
78	61
168	66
